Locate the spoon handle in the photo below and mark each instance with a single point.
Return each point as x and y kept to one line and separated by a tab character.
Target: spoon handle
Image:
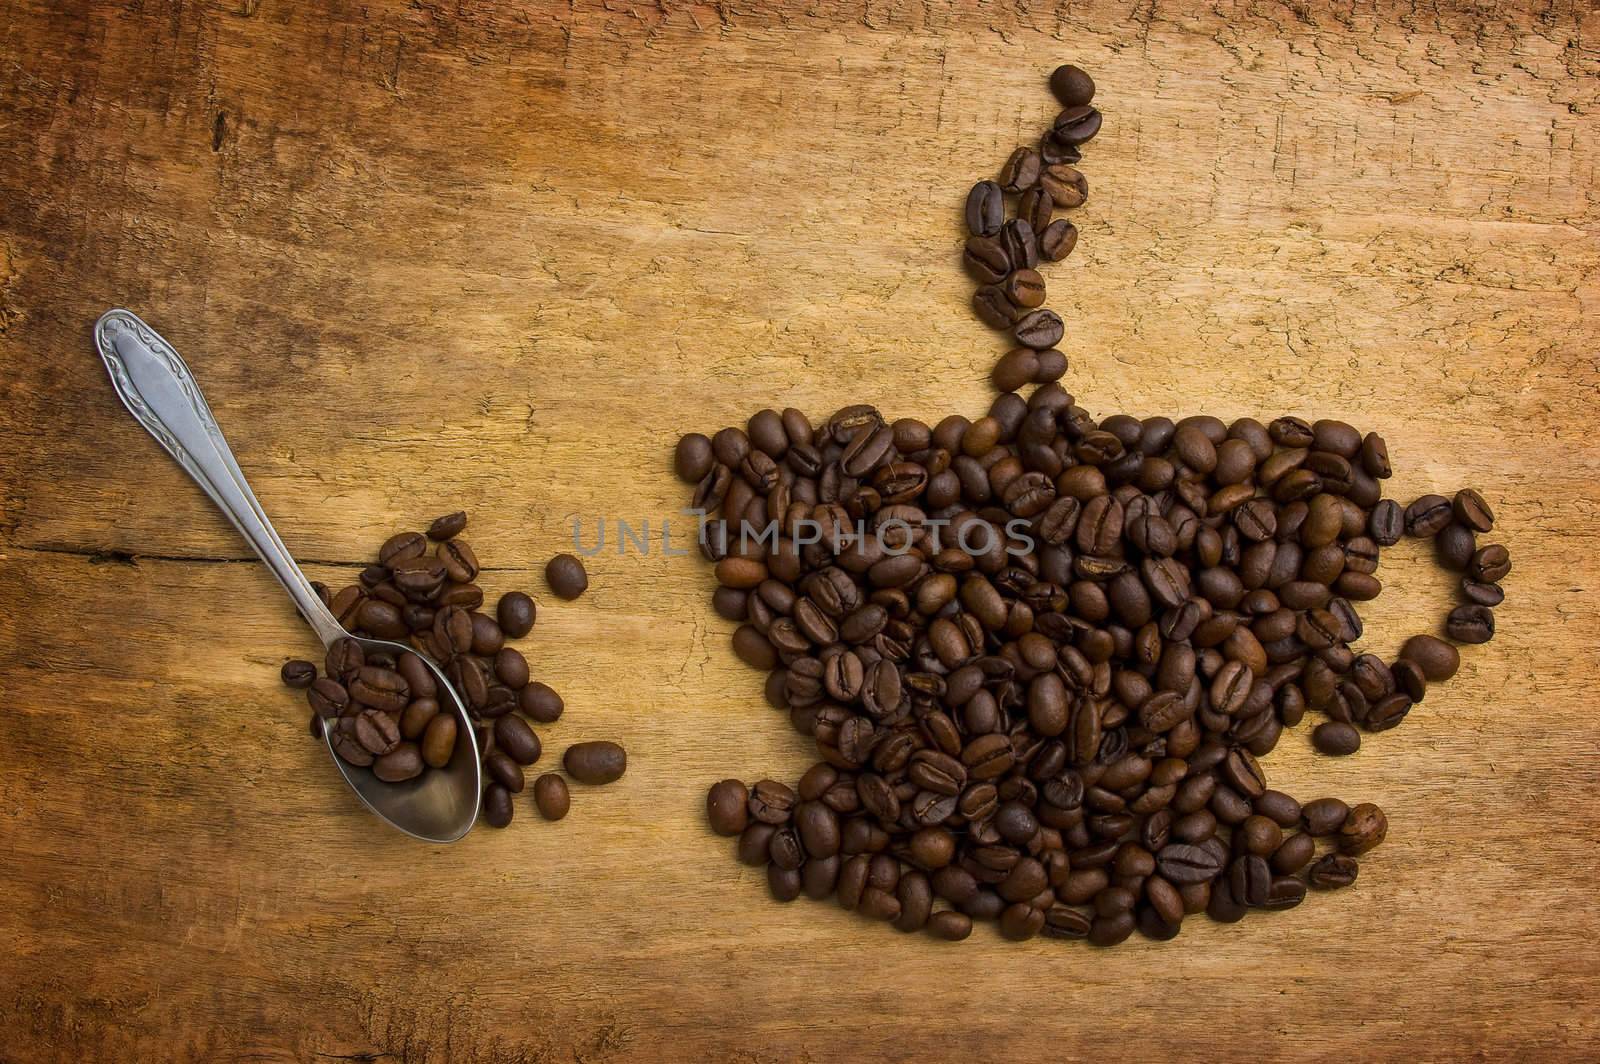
161	394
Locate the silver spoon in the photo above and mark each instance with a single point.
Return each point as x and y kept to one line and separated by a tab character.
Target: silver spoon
159	391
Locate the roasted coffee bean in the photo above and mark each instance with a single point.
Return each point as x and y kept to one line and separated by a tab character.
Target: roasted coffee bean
551	796
496	806
1386	523
1324	816
566	576
438	740
448	526
985	259
1428	515
516	613
1470	624
541	704
1021	171
512	734
1057	240
1472	511
402	763
596	762
1332	871
1480	593
1076	125
298	674
1363	829
500	767
993	308
1039	329
1489	564
1437	659
986	209
1336	738
1025	288
727	807
1072	86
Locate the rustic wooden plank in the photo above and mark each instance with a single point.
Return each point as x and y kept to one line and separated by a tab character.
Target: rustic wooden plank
502	255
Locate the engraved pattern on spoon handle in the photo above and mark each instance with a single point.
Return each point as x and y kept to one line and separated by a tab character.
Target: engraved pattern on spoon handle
156	386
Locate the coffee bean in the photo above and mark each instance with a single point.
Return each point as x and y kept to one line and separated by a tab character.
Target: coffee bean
985	259
1437	659
1363	829
566	576
1072	86
500	767
596	762
1428	515
512	734
328	697
1470	624
1025	288
1489	564
1481	593
438	740
693	459
496	806
1035	207
402	763
541	704
993	308
516	613
1076	125
1324	816
1039	329
1472	511
1021	244
1455	546
1386	523
986	209
1057	240
448	526
950	925
1185	863
1332	871
551	796
1021	171
298	674
726	807
1336	738
1067	186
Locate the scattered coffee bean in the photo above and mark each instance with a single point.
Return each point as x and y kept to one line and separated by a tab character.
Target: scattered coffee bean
298	674
448	526
1470	624
596	762
1072	86
551	797
566	576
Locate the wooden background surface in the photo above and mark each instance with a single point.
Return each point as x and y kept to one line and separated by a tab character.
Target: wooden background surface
501	255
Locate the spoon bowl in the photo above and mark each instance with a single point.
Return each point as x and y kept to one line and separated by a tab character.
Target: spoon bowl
155	384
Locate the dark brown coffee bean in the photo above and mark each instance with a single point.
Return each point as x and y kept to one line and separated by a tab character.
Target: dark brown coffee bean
727	807
1024	288
512	734
1428	515
298	674
1336	738
516	613
1480	593
402	763
1021	171
950	925
986	209
1332	871
993	308
497	809
1437	659
541	704
1470	624
1386	523
1362	830
1324	816
500	767
1489	564
596	762
566	576
438	740
1057	240
448	526
985	259
551	796
1039	329
1076	125
1472	511
1072	86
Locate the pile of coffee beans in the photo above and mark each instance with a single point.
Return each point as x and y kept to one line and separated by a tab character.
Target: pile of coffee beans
1003	255
385	710
1041	656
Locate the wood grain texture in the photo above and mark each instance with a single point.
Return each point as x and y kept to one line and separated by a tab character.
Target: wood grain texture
501	255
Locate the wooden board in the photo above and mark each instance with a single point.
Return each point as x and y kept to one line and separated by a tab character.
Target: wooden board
500	255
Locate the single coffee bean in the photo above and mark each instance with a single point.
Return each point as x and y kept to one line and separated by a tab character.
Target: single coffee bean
566	576
402	763
551	796
1386	524
1035	208
1025	288
1332	871
1336	738
328	698
448	526
1490	564
597	762
691	460
1072	86
1057	240
496	806
500	767
1363	829
1076	125
512	734
1437	659
986	209
727	807
993	308
1472	511
1021	244
540	704
377	731
985	259
298	674
950	925
1039	329
1067	186
1324	816
1021	171
1470	624
516	613
1455	546
438	740
1428	515
1480	593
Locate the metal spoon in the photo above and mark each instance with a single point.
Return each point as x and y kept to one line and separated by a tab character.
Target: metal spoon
159	391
